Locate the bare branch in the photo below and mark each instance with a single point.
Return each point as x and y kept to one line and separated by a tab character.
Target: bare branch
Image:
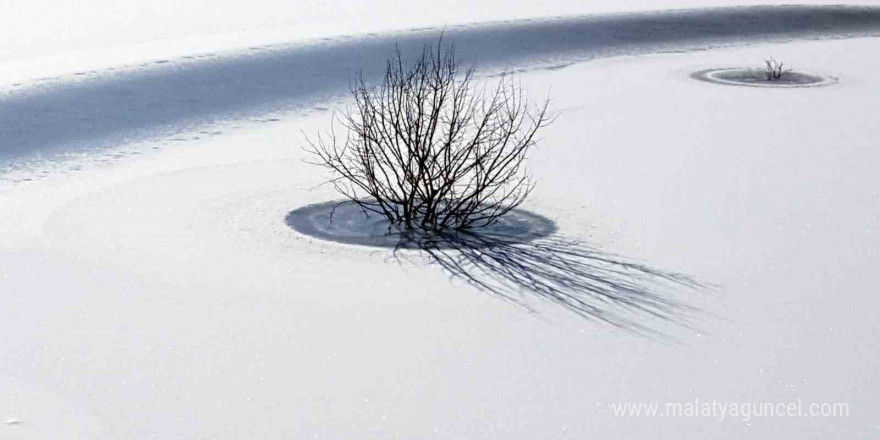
426	150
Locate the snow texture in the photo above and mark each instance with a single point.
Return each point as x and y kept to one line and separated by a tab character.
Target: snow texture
709	243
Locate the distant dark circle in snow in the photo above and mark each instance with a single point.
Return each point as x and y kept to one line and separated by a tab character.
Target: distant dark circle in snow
345	222
758	78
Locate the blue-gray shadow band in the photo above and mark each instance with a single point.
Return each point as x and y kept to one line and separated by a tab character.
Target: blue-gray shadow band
109	109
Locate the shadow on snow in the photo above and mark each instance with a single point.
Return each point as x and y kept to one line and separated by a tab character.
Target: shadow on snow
520	259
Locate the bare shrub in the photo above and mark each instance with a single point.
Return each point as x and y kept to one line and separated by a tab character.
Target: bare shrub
775	70
427	150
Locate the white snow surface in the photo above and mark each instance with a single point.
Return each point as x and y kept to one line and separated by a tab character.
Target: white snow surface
152	289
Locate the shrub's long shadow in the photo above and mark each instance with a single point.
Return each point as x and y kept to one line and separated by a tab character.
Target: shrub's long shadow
521	258
566	272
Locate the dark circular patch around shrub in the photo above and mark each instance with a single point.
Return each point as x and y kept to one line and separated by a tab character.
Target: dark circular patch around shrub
758	78
345	222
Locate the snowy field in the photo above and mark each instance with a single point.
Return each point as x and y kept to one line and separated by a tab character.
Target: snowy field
152	289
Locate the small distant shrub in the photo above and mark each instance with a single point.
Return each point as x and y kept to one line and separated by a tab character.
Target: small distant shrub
427	151
775	70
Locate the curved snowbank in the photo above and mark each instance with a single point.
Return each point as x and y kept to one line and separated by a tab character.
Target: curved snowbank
108	108
45	35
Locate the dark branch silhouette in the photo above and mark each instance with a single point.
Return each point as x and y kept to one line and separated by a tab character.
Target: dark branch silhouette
775	70
427	151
